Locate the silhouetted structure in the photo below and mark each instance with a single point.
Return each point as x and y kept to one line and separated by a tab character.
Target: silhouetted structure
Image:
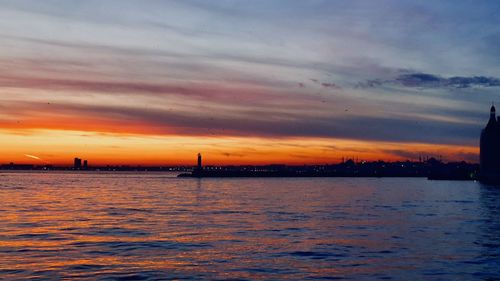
77	164
13	166
490	150
199	167
102	168
85	165
198	170
431	168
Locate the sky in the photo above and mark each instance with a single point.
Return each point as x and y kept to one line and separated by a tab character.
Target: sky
245	82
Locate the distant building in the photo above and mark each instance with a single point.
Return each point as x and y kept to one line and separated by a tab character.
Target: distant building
490	149
13	166
85	165
77	164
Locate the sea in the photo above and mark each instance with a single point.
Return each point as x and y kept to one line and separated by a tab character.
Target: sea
154	226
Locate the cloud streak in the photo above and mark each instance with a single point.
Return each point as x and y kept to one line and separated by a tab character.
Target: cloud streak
250	123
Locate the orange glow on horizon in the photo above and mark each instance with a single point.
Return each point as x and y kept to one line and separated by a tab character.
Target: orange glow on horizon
59	147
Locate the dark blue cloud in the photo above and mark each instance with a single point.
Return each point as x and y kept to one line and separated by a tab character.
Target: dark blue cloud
426	80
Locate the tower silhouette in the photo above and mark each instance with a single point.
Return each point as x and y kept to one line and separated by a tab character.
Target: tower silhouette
489	155
199	167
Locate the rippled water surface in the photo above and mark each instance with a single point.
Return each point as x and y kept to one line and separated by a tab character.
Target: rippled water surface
93	226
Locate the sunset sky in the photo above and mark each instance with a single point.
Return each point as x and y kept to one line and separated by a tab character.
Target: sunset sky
245	81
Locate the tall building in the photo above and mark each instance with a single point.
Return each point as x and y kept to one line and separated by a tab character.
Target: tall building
85	164
490	149
77	163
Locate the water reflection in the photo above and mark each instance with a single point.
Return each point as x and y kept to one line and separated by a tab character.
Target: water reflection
489	259
155	226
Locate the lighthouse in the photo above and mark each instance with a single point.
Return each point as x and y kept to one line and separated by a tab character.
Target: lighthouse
199	167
